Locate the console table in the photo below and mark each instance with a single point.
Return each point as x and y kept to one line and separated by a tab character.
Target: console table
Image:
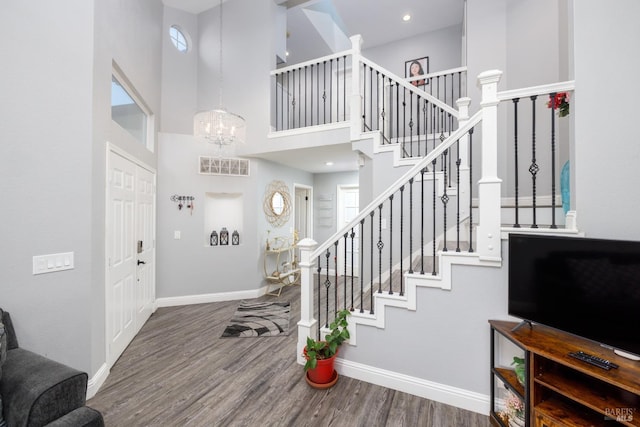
560	390
280	265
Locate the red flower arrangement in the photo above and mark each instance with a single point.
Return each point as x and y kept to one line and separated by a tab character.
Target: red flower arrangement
559	102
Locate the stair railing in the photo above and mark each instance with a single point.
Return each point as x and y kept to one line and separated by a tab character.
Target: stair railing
327	91
538	147
392	228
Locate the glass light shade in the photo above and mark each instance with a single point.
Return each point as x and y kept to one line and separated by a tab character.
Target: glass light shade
219	127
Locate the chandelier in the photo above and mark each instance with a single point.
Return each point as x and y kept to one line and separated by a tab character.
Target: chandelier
218	126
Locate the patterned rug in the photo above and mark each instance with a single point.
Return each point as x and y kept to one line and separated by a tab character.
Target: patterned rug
259	319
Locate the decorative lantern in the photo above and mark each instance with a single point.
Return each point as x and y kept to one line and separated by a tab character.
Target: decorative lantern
235	238
224	236
213	239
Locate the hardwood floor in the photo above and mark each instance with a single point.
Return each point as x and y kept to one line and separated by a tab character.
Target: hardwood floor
179	372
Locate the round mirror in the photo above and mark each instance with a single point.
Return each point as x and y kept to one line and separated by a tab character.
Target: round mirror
277	203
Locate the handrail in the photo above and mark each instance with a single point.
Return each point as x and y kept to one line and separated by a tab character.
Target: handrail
403	82
311	62
537	90
424	162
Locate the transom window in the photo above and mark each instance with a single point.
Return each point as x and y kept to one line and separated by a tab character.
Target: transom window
178	39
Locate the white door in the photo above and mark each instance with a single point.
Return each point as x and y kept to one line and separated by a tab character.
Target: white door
130	277
348	209
145	245
301	208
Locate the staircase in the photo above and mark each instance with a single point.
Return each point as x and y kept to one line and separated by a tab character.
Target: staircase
451	192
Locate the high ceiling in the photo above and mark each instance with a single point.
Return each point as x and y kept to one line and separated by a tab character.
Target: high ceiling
317	28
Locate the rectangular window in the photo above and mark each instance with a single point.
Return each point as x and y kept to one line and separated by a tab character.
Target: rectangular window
128	112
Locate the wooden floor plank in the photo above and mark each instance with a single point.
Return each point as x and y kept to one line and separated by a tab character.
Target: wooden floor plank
178	371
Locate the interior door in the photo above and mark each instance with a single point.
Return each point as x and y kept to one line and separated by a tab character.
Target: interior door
130	251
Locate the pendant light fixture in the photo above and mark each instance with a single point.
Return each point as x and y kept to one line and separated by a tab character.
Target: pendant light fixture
219	126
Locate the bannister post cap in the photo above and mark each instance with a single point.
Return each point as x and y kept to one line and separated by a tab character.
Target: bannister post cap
307	243
489	76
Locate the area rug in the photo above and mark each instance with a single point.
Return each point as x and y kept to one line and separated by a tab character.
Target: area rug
259	319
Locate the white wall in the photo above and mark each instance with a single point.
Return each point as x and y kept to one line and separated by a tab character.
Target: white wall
325	186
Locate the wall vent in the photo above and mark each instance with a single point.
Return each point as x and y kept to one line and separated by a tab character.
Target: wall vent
223	166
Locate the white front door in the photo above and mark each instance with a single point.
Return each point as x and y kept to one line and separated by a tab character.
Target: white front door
130	237
348	209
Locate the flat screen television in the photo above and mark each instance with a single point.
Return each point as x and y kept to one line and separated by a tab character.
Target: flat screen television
583	286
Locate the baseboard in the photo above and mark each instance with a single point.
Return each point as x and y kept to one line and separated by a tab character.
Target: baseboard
96	381
446	394
207	298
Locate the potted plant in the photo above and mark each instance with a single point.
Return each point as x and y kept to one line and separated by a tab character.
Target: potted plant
321	354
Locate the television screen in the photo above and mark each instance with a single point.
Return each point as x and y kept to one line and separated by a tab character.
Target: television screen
587	287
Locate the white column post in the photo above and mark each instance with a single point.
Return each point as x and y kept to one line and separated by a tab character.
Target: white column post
307	326
489	186
355	107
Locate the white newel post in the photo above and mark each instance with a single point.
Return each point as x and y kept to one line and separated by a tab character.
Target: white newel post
489	186
307	326
356	98
463	153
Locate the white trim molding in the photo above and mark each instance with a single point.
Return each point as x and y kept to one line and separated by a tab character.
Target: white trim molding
460	398
207	298
96	381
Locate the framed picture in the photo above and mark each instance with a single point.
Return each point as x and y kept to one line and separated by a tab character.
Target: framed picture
417	67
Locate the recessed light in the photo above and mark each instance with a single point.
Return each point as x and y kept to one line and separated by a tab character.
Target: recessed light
406	17
329	163
287	53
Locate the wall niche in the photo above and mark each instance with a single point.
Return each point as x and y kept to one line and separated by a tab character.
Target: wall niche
222	210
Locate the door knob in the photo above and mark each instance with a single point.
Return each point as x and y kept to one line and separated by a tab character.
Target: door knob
141	262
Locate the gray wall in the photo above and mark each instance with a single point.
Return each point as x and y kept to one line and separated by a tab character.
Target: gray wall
56	120
606	151
441	46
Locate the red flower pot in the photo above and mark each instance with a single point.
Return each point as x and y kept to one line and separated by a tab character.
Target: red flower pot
324	372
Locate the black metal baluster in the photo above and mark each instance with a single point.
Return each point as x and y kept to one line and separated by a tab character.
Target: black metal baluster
411	226
300	98
335	268
338	90
380	245
458	162
288	96
401	239
276	90
311	101
327	285
305	96
391	245
319	293
515	148
371	97
382	113
470	190
422	220
352	235
344	280
371	261
552	97
324	92
433	214
418	122
344	88
425	110
404	121
361	272
318	94
378	98
445	199
411	122
364	97
293	99
330	88
534	168
397	112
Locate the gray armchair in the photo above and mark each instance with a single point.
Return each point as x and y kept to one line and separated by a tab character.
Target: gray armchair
37	391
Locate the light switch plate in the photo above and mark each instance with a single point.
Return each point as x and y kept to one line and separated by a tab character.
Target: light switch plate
52	262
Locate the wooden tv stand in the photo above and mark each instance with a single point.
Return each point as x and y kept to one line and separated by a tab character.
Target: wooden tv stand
560	390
